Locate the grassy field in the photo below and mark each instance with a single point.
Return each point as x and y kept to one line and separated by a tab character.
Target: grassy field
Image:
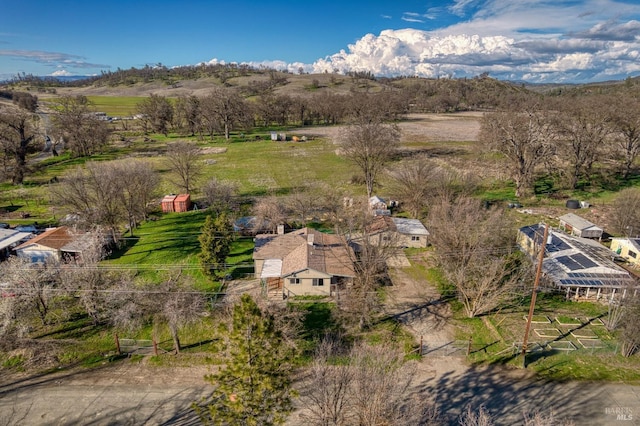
263	167
113	106
116	106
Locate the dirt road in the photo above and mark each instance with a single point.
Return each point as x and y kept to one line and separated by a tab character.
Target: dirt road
125	393
134	394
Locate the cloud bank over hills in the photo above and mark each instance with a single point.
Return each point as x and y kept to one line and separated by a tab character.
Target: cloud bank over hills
536	41
411	52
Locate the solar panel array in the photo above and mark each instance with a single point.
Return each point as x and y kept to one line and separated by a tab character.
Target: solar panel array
596	275
588	283
584	256
556	244
576	261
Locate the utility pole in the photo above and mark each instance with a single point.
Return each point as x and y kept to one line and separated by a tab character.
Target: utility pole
534	294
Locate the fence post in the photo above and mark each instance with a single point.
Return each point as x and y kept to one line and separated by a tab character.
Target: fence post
469	347
117	344
155	345
420	350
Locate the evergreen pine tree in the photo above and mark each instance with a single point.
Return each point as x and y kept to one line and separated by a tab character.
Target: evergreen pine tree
215	243
254	387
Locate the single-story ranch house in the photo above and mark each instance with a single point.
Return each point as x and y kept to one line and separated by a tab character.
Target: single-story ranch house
582	268
302	262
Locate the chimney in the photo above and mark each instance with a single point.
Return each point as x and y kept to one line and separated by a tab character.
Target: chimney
310	238
280	229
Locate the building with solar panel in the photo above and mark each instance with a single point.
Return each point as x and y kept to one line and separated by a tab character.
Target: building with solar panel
582	268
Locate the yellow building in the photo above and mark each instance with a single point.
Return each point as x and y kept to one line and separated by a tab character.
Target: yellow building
628	248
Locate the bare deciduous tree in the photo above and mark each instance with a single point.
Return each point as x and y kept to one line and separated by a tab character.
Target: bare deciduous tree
83	278
224	109
269	212
76	124
220	195
583	127
524	137
328	398
33	286
189	114
370	146
479	417
626	127
475	249
411	185
178	303
369	387
625	214
18	132
138	182
156	113
359	304
108	193
302	202
184	160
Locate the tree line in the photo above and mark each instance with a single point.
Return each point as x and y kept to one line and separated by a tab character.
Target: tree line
573	140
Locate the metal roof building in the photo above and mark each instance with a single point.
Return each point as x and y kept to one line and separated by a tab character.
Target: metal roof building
575	225
583	268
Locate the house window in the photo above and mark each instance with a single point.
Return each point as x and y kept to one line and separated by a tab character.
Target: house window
318	282
294	280
632	254
385	238
415	238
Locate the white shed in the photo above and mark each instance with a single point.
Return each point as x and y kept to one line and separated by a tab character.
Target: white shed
579	227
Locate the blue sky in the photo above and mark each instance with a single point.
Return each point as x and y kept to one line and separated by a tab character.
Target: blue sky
530	40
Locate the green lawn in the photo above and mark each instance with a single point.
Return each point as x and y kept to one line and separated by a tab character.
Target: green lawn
169	244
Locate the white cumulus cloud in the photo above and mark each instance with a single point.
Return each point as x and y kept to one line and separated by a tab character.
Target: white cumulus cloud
535	41
60	73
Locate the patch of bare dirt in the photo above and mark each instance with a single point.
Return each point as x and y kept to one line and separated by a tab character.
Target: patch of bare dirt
459	127
419	306
213	150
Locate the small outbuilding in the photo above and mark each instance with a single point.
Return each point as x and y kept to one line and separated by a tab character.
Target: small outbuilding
182	203
627	248
167	203
579	227
176	203
395	232
10	238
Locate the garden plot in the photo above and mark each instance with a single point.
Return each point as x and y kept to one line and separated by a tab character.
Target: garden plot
562	345
595	321
591	343
565	320
584	333
547	332
538	319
